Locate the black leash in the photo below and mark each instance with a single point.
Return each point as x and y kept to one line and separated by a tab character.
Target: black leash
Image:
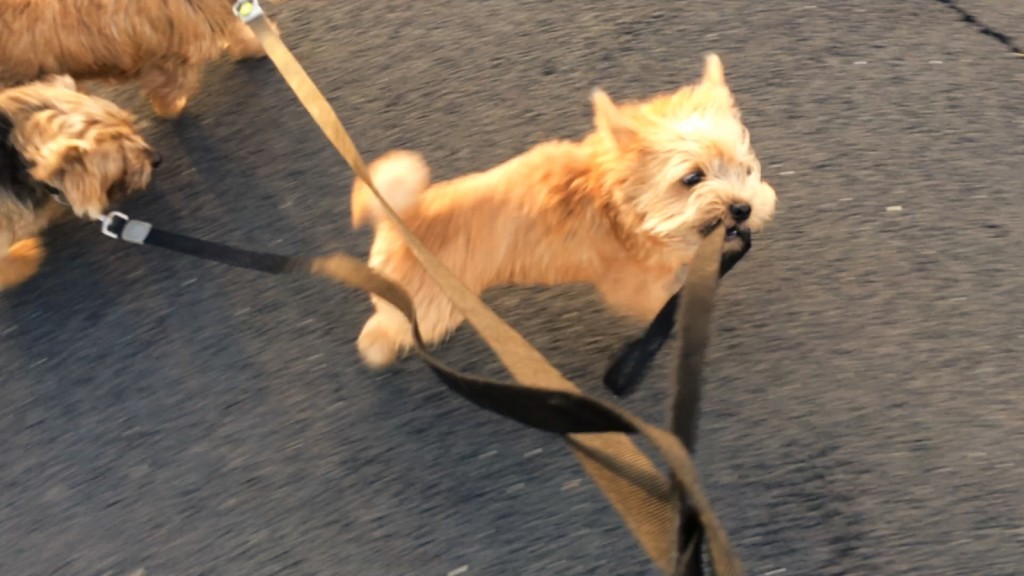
119	226
629	367
554	411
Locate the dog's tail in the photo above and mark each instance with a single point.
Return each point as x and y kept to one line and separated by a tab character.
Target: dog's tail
400	177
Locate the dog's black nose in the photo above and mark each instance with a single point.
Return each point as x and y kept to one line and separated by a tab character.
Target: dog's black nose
155	158
739	211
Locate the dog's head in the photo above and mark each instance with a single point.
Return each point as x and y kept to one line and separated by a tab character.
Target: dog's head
682	163
85	147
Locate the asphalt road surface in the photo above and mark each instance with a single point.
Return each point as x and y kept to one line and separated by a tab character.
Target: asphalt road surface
864	405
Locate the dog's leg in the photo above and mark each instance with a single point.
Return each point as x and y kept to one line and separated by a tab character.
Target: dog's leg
20	262
387	334
242	43
169	85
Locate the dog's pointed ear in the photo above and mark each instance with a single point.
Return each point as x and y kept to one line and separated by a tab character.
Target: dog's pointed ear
712	92
610	120
714	72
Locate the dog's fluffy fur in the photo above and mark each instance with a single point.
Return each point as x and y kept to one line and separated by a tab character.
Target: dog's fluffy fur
56	140
163	44
624	209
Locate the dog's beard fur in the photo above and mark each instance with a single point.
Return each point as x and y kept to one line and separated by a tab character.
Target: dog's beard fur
163	44
60	140
620	210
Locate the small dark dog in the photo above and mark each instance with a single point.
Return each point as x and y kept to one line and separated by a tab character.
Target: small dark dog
59	146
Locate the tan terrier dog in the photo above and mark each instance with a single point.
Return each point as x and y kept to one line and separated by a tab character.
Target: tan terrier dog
163	44
58	145
624	209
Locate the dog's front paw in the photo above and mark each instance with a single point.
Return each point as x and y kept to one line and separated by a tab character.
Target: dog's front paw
381	341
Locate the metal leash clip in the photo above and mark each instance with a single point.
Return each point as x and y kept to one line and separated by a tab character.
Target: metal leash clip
107	221
132	231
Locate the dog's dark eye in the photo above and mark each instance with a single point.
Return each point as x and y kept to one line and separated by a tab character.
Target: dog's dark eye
693	178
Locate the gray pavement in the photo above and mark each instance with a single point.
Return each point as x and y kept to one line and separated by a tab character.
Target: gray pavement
863	408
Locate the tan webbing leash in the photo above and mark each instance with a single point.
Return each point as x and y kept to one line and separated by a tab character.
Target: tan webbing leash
631	482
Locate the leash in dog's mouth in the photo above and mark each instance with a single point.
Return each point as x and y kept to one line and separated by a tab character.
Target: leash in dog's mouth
740	231
735	230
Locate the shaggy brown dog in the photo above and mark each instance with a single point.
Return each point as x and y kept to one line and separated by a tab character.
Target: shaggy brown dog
625	210
58	145
163	44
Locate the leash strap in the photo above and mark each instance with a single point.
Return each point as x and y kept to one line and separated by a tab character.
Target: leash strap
695	324
119	226
630	481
